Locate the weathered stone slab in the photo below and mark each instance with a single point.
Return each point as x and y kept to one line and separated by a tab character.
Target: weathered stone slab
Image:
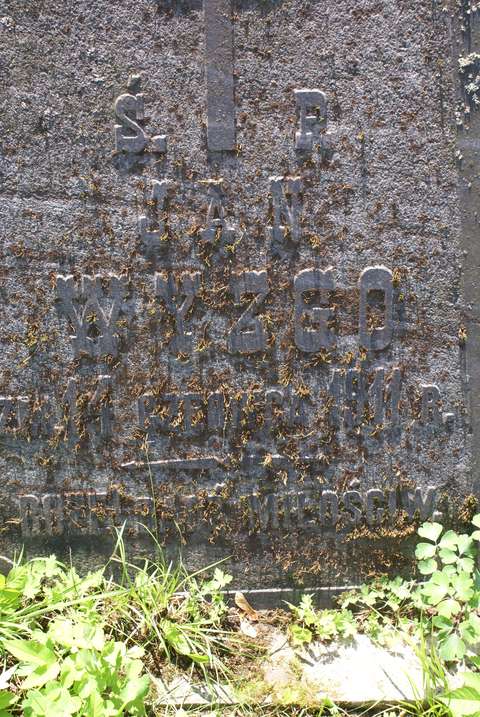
182	691
237	320
346	672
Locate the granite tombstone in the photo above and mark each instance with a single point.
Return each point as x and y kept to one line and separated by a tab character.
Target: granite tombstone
239	280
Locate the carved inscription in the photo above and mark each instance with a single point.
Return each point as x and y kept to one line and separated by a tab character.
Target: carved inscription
380	390
217	231
376	280
353	405
312	331
331	509
178	295
152	230
95	310
90	513
312	113
129	109
431	408
98	310
351	394
248	333
355	398
177	413
89	417
13	413
286	207
82	513
130	137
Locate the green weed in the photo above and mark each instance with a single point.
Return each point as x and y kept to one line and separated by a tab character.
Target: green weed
172	614
85	646
320	624
88	646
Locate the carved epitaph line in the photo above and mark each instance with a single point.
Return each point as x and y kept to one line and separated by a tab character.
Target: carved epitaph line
219	75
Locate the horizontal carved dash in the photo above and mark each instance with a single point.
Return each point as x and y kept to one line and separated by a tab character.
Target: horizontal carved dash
179	464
